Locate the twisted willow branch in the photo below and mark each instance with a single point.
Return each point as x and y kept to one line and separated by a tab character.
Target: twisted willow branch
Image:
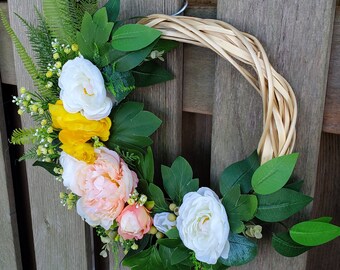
279	102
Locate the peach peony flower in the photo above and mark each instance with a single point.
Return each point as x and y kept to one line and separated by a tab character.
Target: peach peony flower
105	188
134	222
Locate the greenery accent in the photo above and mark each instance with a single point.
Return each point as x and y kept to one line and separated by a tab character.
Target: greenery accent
25	58
240	173
242	251
113	9
285	245
30	154
274	174
48	166
78	8
296	185
59	20
148	259
157	195
178	180
281	205
23	136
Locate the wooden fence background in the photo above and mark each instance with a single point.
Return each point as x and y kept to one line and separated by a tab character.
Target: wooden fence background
212	117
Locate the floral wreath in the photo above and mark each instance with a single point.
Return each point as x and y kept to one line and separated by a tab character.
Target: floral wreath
99	145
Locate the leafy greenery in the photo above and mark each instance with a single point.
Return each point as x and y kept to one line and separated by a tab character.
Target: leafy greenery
239	208
240	173
132	126
284	244
164	45
150	73
242	251
23	136
113	8
166	255
78	8
178	180
48	166
274	174
173	233
30	154
133	37
296	185
59	20
148	259
314	232
281	205
158	197
120	84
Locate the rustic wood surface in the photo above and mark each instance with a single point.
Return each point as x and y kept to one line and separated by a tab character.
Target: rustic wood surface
285	29
60	237
331	122
9	238
7	69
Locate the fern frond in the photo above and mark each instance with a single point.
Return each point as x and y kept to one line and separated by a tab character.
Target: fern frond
78	8
23	136
25	58
41	41
59	20
30	154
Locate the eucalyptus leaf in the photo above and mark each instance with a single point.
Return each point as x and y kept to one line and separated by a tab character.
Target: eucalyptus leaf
314	233
240	173
178	180
284	244
281	205
158	197
133	37
242	251
274	174
147	260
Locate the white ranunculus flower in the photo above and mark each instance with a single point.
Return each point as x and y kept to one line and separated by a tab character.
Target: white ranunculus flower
203	225
72	168
162	223
83	89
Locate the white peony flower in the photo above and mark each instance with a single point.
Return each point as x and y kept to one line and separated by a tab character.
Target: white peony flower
83	89
203	225
162	223
72	168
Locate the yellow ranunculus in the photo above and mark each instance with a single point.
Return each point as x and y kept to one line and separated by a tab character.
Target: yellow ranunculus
76	130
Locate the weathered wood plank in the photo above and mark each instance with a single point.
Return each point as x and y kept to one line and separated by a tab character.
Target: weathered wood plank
6	54
296	34
59	235
327	202
202	3
9	238
331	122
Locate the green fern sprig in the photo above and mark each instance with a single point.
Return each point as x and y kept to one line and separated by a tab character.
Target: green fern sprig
59	20
23	136
78	8
30	154
26	59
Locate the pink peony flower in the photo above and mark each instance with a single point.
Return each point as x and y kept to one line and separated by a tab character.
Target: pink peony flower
106	186
134	222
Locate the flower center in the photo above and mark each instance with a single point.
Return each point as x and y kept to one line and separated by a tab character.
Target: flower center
86	93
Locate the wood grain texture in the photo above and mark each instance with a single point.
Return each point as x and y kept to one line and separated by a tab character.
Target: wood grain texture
331	121
202	3
296	35
327	202
7	69
60	237
9	238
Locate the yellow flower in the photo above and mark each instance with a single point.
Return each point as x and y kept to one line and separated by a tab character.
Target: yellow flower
76	130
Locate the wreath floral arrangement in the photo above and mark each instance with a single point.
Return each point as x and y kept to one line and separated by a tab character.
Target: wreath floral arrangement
99	145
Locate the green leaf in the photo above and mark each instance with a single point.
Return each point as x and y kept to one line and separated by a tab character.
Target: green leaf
147	260
48	166
240	173
147	165
113	9
177	180
120	84
150	73
131	126
166	255
133	37
165	45
179	255
323	219
297	185
284	245
274	174
158	197
125	61
242	251
172	233
314	233
281	205
170	243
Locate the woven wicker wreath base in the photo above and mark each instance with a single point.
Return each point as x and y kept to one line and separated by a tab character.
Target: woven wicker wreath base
242	50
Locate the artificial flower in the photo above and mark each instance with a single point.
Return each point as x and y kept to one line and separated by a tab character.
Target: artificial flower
134	222
162	222
105	188
203	225
83	89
